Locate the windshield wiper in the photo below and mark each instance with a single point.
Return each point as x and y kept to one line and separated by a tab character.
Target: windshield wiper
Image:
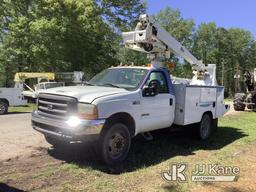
110	84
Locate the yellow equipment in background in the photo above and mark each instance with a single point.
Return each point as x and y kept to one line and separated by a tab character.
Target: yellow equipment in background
20	77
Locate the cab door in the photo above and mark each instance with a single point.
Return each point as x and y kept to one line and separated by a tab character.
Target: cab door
157	111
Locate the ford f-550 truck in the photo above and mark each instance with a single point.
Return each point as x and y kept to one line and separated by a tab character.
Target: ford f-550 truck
124	101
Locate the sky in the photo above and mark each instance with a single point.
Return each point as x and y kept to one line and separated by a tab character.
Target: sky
225	13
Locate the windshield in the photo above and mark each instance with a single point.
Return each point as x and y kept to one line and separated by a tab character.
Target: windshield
127	78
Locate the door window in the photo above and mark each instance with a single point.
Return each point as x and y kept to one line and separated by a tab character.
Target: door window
162	83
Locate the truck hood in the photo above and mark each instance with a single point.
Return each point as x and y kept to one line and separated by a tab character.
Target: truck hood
84	93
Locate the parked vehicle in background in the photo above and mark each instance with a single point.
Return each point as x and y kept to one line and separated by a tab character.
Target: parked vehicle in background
27	82
21	78
247	99
71	78
33	93
13	96
10	97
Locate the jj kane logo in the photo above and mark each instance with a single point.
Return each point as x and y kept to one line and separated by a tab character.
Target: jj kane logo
202	172
175	173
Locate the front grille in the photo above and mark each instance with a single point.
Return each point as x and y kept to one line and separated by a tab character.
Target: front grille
56	106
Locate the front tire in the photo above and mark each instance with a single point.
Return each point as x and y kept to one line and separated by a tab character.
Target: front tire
205	127
114	143
3	107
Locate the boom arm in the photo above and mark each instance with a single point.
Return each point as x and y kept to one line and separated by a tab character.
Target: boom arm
150	38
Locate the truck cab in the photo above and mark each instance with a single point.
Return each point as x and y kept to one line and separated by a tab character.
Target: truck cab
116	105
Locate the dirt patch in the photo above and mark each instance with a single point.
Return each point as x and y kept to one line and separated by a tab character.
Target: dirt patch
245	159
32	172
17	138
43	168
232	111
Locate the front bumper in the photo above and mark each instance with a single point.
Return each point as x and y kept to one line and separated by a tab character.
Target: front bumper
85	130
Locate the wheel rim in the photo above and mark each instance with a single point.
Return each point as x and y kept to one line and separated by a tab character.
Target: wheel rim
117	145
205	128
2	108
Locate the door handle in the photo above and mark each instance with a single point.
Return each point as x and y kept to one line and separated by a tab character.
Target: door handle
171	102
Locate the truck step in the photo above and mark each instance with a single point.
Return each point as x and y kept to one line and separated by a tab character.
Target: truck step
147	136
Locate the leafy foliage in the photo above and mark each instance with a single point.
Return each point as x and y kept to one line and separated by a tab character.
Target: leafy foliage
231	49
182	29
121	13
68	35
62	35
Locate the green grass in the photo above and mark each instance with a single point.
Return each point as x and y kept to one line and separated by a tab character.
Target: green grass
228	100
147	159
66	186
21	109
45	173
245	123
142	170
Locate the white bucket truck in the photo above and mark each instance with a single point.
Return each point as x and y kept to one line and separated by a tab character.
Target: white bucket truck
122	102
10	97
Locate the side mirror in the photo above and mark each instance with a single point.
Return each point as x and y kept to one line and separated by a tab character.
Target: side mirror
152	89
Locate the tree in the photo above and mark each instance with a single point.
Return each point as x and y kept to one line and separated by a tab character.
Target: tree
77	35
171	20
62	35
128	57
67	35
205	42
182	29
229	49
240	46
121	14
14	39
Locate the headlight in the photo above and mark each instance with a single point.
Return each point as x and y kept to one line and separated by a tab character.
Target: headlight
87	111
73	121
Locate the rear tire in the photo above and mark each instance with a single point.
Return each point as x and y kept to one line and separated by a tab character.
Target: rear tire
114	143
205	127
3	107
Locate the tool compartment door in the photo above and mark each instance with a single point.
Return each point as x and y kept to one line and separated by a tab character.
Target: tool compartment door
192	102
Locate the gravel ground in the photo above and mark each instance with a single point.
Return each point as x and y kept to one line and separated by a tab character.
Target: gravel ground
17	138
